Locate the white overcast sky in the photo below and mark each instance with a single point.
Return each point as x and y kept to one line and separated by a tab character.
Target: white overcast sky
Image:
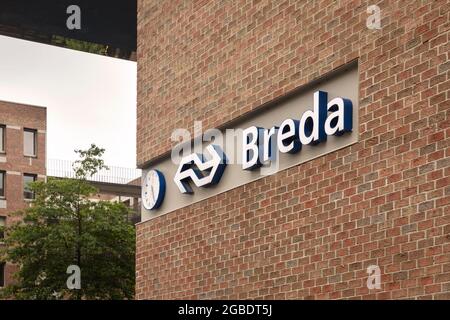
89	98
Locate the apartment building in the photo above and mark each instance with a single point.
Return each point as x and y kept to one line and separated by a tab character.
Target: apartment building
22	160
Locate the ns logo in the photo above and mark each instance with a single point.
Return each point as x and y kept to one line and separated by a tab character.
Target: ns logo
196	168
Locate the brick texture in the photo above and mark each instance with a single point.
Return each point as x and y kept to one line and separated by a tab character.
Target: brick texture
16	117
311	231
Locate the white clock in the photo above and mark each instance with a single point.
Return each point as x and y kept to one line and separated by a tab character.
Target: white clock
153	189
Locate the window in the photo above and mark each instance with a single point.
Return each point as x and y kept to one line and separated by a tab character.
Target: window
2	184
2	225
2	138
27	179
2	274
29	142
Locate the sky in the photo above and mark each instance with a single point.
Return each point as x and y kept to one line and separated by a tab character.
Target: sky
89	98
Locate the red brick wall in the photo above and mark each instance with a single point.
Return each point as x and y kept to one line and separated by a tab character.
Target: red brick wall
17	117
310	231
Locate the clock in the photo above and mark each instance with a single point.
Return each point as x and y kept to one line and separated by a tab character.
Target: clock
153	189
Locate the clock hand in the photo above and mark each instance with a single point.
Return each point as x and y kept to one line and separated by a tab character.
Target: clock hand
152	193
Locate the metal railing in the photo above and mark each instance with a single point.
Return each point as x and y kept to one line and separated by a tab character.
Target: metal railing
118	175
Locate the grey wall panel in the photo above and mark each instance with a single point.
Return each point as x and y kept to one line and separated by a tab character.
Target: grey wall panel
343	83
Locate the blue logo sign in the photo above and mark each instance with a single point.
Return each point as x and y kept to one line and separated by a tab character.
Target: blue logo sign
200	171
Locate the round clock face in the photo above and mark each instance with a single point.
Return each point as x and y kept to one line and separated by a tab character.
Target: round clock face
153	189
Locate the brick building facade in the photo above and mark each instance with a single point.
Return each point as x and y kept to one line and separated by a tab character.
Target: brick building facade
311	231
22	159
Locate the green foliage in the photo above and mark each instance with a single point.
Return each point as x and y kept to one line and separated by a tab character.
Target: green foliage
64	227
80	45
90	163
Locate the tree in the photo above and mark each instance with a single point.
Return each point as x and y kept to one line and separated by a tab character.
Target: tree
80	45
63	227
